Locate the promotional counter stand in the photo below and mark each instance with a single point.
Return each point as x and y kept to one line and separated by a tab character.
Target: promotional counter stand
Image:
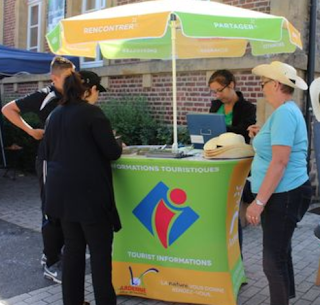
179	241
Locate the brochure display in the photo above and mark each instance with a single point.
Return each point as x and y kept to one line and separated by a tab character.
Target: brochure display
179	240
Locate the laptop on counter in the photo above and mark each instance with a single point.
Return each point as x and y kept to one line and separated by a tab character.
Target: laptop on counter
204	126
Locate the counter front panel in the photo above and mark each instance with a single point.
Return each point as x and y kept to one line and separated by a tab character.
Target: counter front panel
179	240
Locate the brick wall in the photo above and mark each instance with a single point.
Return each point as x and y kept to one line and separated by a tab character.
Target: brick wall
257	5
193	94
249	85
122	2
21	90
9	23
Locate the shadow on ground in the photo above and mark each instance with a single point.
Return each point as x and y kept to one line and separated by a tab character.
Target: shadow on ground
20	269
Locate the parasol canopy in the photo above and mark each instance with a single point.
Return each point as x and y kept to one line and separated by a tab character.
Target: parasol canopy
167	29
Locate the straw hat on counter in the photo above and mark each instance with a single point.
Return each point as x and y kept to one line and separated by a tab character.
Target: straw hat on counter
227	145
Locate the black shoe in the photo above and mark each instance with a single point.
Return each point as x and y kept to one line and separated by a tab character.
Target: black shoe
317	231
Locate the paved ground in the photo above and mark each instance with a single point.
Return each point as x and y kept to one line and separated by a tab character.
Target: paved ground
22	283
20	269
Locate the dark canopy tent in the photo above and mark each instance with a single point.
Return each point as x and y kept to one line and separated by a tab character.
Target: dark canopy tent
16	61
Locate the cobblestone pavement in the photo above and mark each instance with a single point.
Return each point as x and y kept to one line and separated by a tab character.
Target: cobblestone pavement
19	204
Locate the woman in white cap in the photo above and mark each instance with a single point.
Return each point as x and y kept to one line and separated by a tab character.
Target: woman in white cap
79	145
279	176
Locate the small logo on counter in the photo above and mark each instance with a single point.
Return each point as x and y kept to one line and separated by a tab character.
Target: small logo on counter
136	285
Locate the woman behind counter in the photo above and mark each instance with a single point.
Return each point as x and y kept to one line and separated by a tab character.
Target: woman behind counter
79	145
239	113
279	176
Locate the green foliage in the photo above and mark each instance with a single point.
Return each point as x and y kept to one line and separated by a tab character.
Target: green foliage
14	135
131	118
165	135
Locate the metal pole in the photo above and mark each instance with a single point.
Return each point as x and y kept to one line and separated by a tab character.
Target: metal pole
174	83
310	69
1	140
2	150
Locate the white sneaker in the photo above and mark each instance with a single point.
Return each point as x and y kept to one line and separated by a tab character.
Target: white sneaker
43	260
53	272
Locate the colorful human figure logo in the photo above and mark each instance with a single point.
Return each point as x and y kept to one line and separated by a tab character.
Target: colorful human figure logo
164	213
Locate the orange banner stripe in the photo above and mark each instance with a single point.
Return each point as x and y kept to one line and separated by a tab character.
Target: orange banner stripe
79	31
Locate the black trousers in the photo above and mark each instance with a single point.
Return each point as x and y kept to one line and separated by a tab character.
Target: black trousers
52	235
279	219
247	198
99	237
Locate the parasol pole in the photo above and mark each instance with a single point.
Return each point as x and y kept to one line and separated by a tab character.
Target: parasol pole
174	83
1	139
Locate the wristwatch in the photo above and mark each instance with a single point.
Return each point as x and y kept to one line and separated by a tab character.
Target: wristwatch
258	202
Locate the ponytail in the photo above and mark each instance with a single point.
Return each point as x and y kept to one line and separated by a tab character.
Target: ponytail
73	89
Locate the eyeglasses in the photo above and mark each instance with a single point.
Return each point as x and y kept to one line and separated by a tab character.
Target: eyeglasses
264	83
219	90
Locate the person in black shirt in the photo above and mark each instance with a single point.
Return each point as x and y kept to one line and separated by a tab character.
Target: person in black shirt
239	113
42	103
79	147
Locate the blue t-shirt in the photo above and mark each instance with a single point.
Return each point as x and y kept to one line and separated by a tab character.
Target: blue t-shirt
286	126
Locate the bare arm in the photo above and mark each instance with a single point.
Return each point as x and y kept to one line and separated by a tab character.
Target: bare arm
12	112
253	130
280	159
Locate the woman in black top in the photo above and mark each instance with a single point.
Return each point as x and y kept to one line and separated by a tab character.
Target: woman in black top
239	113
79	145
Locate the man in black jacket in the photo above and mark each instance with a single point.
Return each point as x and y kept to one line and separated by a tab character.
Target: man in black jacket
42	103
